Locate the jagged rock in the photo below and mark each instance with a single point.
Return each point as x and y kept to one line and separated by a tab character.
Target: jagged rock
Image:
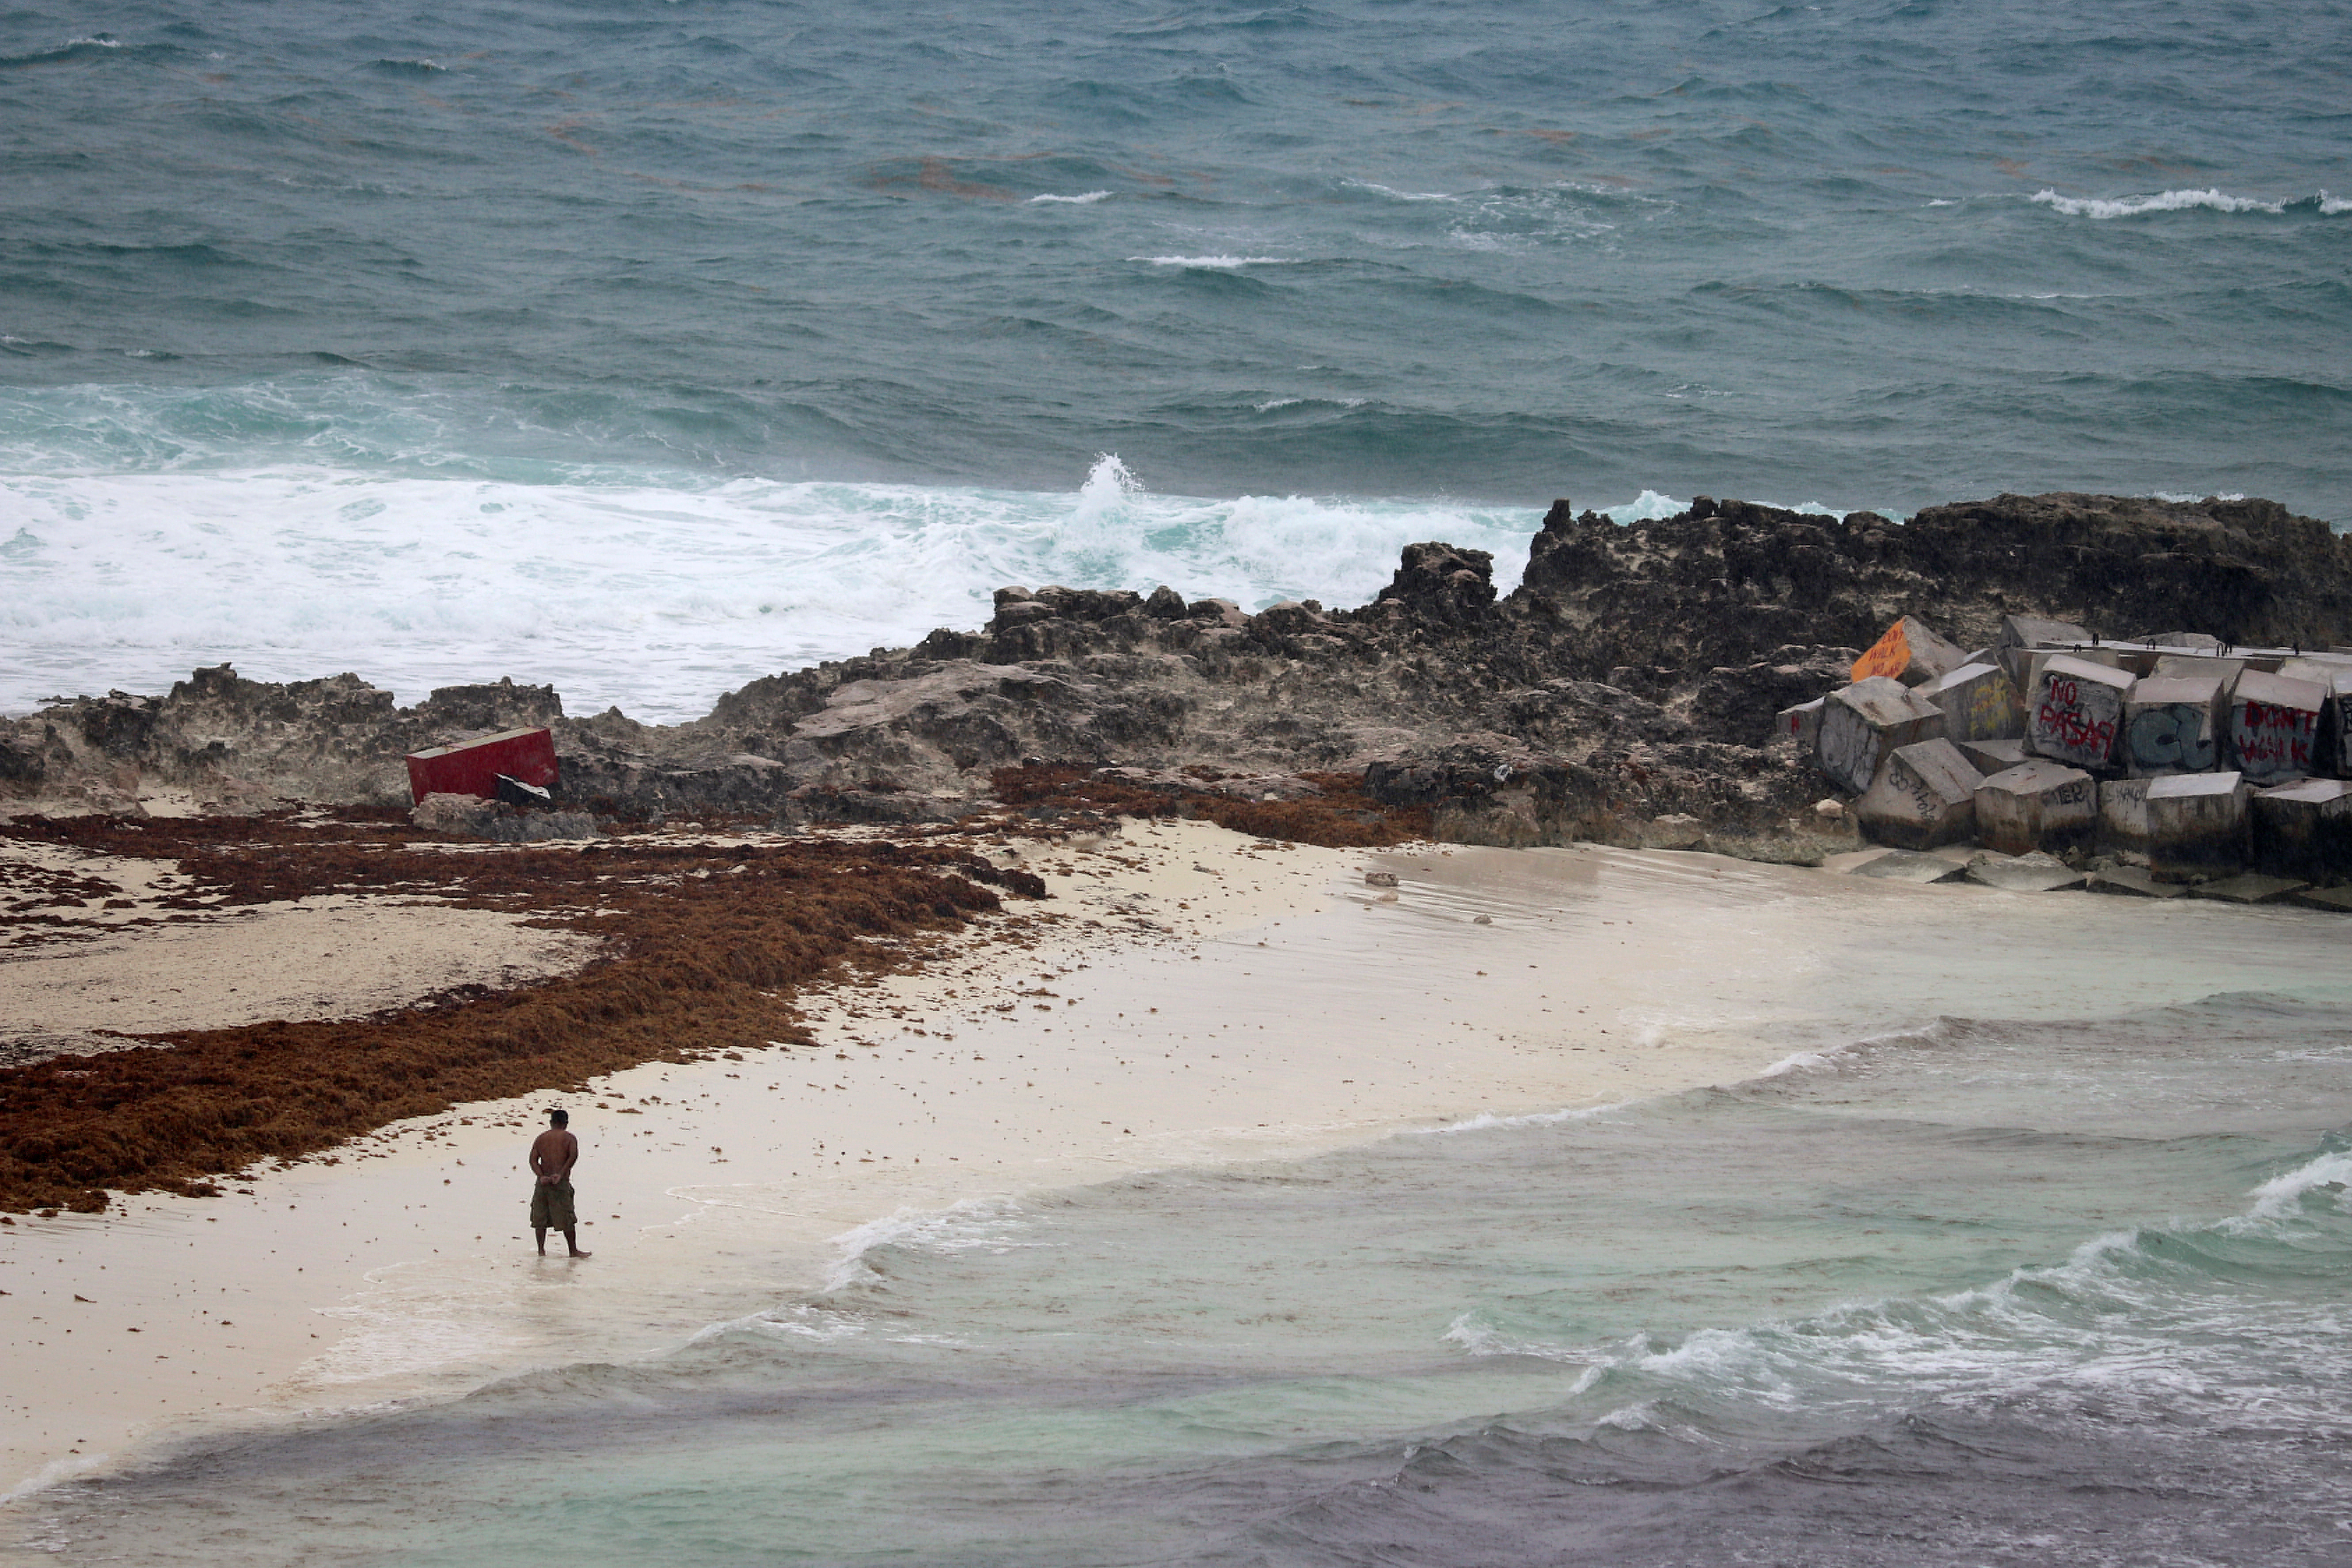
1724	581
1733	702
1442	583
474	817
1717	619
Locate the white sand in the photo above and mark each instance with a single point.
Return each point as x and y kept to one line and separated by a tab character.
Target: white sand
328	957
1285	1010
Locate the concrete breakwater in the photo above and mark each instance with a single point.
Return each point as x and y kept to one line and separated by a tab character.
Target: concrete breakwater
2172	762
1624	692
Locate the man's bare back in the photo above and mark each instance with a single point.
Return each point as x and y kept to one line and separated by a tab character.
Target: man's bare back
553	1154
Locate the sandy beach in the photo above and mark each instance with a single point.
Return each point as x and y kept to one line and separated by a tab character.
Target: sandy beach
1188	996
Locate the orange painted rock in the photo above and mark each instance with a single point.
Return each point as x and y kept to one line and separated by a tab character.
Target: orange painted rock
1910	652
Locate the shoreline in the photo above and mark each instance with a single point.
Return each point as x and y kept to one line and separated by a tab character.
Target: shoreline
1289	1009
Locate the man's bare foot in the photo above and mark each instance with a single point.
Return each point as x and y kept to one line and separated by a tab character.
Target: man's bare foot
577	1253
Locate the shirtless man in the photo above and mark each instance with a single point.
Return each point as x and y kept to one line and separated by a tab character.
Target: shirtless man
553	1154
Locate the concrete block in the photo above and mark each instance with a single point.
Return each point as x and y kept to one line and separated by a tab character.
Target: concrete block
2226	669
2122	815
2197	826
2132	882
2304	828
2038	805
2025	874
1862	724
1909	866
2172	724
2024	664
2203	641
1923	796
2274	727
1989	757
1980	703
2106	657
2321	668
2336	734
2020	634
2336	901
2265	661
1911	652
2332	673
2252	888
1803	722
2076	712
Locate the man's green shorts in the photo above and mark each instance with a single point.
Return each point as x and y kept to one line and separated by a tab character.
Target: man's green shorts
551	1207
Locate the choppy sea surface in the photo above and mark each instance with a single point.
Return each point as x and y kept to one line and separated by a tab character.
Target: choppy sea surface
1984	1292
647	347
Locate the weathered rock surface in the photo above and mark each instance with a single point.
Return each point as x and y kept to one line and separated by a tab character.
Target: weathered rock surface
1619	693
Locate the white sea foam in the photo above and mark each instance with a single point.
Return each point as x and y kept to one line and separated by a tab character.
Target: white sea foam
2106	1318
644	591
1648	507
2162	202
1087	200
1801	1061
1217	263
994	1224
2331	205
1400	195
2275	1198
1486	1121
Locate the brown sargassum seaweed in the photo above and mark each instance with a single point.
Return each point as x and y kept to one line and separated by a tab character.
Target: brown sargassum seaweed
703	946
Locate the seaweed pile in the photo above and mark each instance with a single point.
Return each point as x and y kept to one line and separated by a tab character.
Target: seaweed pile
704	946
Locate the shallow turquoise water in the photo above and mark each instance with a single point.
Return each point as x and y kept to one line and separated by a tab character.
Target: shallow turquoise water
2068	1293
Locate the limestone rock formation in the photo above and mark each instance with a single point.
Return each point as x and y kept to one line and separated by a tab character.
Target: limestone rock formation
1626	690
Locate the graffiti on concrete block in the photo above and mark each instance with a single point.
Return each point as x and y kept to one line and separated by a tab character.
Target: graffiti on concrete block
1986	709
2074	792
2271	741
2172	738
2076	719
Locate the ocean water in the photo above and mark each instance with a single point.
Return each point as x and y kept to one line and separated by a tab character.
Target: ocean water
1982	1292
650	347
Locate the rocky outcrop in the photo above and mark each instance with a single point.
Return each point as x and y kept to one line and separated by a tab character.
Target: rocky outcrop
1625	691
1727	580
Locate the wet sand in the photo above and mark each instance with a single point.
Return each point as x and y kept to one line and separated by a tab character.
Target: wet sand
1194	995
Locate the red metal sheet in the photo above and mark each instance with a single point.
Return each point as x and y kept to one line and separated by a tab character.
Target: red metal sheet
472	767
